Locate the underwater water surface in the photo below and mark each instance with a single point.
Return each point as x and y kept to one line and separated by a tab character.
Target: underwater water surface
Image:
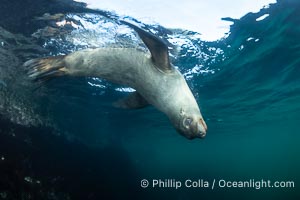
63	140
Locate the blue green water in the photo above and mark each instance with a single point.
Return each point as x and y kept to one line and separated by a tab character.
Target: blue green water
248	88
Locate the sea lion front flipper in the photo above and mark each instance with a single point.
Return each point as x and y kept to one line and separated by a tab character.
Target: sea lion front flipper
133	101
157	47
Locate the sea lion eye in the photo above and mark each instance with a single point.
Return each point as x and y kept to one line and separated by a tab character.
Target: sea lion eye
187	122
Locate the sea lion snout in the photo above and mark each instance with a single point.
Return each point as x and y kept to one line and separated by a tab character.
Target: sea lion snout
198	129
193	127
201	128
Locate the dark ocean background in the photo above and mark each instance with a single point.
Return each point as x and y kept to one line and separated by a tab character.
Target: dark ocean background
64	140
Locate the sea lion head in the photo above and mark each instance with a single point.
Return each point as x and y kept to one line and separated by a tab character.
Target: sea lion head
191	124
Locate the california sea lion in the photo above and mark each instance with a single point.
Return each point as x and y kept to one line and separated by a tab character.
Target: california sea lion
154	78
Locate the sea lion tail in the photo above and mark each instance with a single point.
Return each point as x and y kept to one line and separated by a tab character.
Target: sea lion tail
45	68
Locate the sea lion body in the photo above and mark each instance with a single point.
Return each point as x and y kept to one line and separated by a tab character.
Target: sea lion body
163	87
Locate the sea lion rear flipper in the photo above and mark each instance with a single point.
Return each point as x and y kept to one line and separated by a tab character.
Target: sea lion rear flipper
157	47
42	69
133	101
